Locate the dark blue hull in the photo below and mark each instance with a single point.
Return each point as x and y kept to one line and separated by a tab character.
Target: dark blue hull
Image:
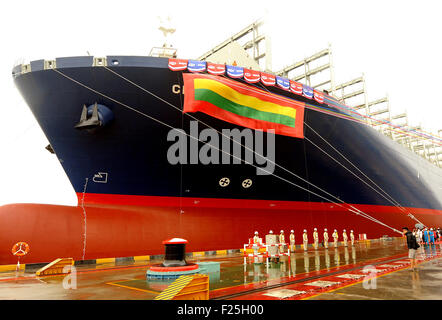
132	149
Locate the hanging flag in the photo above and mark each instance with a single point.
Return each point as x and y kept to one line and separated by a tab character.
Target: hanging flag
283	82
177	64
235	71
268	79
252	76
296	87
307	91
319	96
216	69
196	66
243	105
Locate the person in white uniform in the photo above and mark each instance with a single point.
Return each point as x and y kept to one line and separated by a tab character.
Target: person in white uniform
352	237
281	237
325	238
256	238
316	238
335	238
256	243
292	240
282	247
305	240
345	237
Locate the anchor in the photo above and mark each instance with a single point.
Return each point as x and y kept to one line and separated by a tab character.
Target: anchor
92	122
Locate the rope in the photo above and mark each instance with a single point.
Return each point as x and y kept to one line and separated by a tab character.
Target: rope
277	165
358	212
410	215
351	119
84	218
388	123
393	201
239	143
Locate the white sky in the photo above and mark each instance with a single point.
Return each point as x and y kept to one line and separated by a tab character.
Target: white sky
397	44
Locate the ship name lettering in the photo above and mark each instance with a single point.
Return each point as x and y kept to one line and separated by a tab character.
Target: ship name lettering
176	88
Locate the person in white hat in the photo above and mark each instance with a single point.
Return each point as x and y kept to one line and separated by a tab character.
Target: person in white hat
256	238
315	238
344	237
419	235
305	240
325	238
352	238
281	237
282	246
292	240
335	236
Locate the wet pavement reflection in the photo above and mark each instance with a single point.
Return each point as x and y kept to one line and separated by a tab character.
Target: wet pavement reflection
423	284
129	281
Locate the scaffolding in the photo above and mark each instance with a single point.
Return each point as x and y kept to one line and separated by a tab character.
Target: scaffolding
306	70
253	40
352	90
378	115
317	71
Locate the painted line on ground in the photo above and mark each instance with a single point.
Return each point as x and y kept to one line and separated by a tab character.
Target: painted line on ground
278	281
300	282
131	288
405	266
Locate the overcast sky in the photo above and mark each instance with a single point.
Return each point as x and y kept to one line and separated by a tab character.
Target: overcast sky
397	45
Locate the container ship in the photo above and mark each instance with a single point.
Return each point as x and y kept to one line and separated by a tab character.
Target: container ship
113	122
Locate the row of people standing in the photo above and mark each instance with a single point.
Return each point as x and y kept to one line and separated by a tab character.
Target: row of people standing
427	236
305	240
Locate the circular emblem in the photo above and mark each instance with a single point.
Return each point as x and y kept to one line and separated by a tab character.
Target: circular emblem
247	183
20	249
224	182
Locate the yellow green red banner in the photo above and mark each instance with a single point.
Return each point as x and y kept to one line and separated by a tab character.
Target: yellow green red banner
244	105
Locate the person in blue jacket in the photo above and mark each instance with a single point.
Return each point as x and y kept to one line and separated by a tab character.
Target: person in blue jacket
425	234
431	234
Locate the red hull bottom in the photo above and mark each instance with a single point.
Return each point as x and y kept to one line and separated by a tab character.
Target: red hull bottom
135	228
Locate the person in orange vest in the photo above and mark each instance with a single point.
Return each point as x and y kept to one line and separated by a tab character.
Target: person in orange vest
305	240
292	241
345	237
316	238
325	238
352	238
335	238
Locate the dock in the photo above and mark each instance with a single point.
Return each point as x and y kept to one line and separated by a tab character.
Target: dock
371	269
